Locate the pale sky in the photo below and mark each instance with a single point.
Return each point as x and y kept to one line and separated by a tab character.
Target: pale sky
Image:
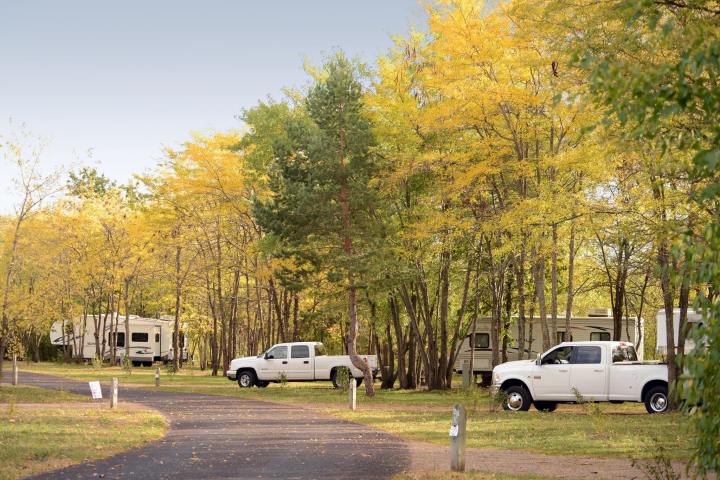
123	79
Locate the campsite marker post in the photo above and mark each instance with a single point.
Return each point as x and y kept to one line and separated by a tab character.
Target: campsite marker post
466	374
353	393
14	371
457	439
157	376
114	393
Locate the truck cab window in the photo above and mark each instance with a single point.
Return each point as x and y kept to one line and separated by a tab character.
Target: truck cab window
558	356
279	352
587	355
482	340
624	353
300	351
320	350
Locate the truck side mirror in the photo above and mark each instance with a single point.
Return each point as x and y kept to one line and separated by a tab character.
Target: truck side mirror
538	360
268	357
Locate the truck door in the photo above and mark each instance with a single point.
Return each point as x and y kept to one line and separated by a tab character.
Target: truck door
588	373
274	364
300	365
551	379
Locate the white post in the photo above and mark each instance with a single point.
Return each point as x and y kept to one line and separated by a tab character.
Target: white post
353	394
14	371
114	393
157	376
457	439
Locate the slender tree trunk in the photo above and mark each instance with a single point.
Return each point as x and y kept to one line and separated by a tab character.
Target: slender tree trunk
554	284
178	291
539	274
520	279
570	284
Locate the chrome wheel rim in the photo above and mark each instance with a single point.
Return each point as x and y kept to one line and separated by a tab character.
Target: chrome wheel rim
245	380
514	401
658	402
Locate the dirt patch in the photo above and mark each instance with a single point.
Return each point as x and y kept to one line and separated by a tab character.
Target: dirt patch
431	457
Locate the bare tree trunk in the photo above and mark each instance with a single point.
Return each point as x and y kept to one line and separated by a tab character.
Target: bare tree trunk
539	274
178	292
570	284
520	278
668	295
554	284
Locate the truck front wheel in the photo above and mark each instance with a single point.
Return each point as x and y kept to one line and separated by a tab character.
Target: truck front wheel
246	379
518	399
656	400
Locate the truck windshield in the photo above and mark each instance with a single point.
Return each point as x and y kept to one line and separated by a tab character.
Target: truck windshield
624	353
320	350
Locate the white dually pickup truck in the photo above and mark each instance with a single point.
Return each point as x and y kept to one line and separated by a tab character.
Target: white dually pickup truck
295	362
583	371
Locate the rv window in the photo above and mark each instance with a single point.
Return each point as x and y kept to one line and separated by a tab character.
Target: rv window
599	337
587	355
120	339
482	340
157	338
300	351
561	337
141	337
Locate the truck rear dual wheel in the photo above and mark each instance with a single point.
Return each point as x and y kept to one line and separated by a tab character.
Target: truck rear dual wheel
518	399
336	383
545	406
656	400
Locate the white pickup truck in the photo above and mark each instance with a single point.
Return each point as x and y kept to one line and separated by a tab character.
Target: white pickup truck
589	371
295	362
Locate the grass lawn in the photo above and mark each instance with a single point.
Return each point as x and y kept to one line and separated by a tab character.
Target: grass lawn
603	430
36	438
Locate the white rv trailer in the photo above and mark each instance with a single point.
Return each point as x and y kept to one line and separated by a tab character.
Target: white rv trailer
151	339
694	319
596	326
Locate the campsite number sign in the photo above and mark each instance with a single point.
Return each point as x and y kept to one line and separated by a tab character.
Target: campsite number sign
95	390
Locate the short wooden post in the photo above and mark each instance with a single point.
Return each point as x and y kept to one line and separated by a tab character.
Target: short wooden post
114	393
466	374
353	394
14	371
157	376
457	439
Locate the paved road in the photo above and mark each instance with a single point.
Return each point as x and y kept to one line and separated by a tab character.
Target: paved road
225	438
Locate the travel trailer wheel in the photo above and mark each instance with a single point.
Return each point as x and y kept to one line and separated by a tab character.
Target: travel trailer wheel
246	379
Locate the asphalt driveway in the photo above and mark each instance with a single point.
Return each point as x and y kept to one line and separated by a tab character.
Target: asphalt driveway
212	437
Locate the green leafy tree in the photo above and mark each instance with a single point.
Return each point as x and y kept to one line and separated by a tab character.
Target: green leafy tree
323	202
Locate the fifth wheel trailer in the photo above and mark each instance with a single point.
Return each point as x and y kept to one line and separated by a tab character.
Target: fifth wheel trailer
597	325
694	320
151	339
